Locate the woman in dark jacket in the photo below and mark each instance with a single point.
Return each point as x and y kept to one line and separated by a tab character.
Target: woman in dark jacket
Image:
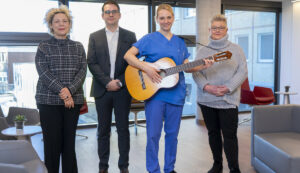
61	65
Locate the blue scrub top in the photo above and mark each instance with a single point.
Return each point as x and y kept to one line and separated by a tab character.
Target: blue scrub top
155	46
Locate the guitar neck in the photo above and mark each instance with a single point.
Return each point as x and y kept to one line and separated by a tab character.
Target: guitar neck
186	66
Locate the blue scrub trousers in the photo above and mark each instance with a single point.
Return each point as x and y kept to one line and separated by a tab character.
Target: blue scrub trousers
156	112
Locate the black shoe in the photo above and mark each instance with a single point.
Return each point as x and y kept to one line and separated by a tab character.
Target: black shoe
173	171
235	170
217	168
103	171
124	170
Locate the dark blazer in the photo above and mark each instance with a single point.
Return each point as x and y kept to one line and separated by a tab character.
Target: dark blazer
99	61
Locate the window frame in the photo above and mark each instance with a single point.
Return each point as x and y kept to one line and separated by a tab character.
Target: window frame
22	38
244	35
259	44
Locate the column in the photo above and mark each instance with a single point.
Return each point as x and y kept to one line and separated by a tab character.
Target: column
290	48
205	10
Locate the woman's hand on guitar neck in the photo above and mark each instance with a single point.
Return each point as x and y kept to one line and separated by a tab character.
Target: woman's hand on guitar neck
207	63
152	72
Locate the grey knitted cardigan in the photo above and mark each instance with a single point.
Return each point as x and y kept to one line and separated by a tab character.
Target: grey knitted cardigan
230	73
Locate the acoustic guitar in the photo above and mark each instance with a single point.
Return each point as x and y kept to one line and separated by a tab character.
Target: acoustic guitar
141	87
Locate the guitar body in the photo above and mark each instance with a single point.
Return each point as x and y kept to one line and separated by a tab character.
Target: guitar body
140	85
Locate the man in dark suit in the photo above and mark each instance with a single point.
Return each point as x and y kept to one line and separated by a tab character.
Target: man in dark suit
106	62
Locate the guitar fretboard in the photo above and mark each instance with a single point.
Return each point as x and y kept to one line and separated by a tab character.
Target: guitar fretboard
183	67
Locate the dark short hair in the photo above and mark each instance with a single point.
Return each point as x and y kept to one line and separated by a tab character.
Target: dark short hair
110	2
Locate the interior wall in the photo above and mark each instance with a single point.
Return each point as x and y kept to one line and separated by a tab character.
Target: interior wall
290	49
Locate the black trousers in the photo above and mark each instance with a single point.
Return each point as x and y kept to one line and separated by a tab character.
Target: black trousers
225	121
119	101
59	128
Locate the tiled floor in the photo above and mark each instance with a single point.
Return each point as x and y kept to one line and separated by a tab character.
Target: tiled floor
193	154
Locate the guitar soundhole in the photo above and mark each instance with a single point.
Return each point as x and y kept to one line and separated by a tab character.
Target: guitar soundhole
162	73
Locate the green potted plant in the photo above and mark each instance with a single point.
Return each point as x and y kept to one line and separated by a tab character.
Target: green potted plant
19	121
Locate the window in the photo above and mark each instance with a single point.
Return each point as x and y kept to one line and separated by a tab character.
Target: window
266	47
87	19
182	25
189	12
3	55
190	104
24	16
254	31
22	28
243	41
134	18
177	12
188	97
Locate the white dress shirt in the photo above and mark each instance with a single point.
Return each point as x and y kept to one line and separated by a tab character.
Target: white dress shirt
112	41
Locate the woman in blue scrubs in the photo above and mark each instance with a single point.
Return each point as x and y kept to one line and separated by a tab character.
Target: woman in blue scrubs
166	104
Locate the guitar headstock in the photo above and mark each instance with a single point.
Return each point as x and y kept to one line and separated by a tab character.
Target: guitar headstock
221	56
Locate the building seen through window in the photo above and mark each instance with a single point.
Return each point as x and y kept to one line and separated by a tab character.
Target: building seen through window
266	47
243	41
19	77
254	31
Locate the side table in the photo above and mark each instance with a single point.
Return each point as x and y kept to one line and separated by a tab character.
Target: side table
286	96
24	134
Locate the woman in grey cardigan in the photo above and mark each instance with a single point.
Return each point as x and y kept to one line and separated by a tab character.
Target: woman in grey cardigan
219	95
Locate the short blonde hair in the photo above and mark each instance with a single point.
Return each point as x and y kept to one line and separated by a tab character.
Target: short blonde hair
164	7
53	11
219	18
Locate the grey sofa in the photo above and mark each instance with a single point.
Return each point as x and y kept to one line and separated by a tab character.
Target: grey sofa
19	157
275	139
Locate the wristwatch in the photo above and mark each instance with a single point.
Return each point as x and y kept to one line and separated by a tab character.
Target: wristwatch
120	84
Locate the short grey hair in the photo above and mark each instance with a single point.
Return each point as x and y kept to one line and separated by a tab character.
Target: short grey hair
219	18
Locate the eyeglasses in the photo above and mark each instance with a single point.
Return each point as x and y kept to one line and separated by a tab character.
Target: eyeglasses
222	28
112	12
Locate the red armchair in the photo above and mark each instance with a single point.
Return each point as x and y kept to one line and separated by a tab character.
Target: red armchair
259	96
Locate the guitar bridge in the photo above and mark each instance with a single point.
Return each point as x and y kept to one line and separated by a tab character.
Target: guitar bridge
142	79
